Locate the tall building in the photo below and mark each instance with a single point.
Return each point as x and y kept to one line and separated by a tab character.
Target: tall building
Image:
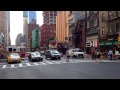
19	39
73	18
49	17
25	26
32	16
8	28
109	30
2	43
92	32
25	13
35	38
4	24
62	27
31	26
46	32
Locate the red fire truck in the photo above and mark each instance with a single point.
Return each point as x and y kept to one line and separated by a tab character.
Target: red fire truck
20	50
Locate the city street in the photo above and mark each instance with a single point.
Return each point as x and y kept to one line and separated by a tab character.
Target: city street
60	69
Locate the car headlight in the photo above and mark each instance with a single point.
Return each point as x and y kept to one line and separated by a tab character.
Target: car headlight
33	57
52	55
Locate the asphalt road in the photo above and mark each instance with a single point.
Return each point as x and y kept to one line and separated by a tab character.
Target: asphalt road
60	69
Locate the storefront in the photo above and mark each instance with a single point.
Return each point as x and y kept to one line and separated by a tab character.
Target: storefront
93	44
109	43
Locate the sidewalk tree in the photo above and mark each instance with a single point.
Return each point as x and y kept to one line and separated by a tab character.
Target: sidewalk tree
52	40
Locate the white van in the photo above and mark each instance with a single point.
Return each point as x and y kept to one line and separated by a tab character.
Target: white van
76	53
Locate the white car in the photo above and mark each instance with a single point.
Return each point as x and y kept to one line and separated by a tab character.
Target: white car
76	53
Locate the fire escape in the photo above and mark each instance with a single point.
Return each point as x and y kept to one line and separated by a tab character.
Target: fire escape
113	16
78	34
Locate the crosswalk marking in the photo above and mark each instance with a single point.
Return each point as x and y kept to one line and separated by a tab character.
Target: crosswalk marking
52	62
20	65
49	62
12	66
28	64
43	63
36	63
4	66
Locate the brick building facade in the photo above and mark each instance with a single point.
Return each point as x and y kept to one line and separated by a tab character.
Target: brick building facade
46	31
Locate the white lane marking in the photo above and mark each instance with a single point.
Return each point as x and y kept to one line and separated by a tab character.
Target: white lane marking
20	65
12	66
42	63
4	66
28	64
49	62
36	63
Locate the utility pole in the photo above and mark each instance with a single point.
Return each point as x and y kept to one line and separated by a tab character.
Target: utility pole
85	31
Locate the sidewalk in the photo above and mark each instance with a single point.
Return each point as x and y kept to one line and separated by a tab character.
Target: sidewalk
88	57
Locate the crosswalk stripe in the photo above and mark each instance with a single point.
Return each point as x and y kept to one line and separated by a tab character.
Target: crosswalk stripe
36	63
42	63
28	64
20	65
12	66
49	62
4	66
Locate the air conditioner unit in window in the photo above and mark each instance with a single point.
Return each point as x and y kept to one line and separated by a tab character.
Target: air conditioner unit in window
95	11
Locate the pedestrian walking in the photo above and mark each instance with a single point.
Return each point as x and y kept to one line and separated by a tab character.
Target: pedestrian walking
67	55
93	54
101	55
110	53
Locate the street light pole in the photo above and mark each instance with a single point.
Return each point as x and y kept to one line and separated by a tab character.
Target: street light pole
85	31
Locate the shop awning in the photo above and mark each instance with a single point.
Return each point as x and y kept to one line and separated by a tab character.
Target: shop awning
101	43
109	43
115	42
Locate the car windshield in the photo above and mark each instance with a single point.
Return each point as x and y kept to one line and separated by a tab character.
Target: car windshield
14	54
37	53
33	54
77	50
54	52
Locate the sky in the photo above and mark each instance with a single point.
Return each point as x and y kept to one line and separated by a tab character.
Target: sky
16	23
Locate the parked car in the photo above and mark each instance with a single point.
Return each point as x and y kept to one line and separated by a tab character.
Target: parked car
76	52
52	54
42	52
13	57
35	56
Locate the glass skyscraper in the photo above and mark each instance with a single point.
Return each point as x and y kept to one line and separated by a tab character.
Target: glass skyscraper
32	15
25	13
8	15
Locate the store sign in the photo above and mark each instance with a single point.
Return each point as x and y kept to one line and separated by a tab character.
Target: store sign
88	44
95	43
110	39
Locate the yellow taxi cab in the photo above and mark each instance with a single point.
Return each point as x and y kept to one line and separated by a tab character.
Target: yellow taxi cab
13	57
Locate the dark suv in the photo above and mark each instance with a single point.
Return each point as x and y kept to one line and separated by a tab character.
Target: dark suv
52	54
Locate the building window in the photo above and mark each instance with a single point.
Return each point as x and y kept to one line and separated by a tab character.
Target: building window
103	30
102	18
95	11
95	22
44	30
92	23
117	27
118	13
88	25
87	13
51	20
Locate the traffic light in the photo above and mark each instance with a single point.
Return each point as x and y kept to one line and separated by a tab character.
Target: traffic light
119	39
